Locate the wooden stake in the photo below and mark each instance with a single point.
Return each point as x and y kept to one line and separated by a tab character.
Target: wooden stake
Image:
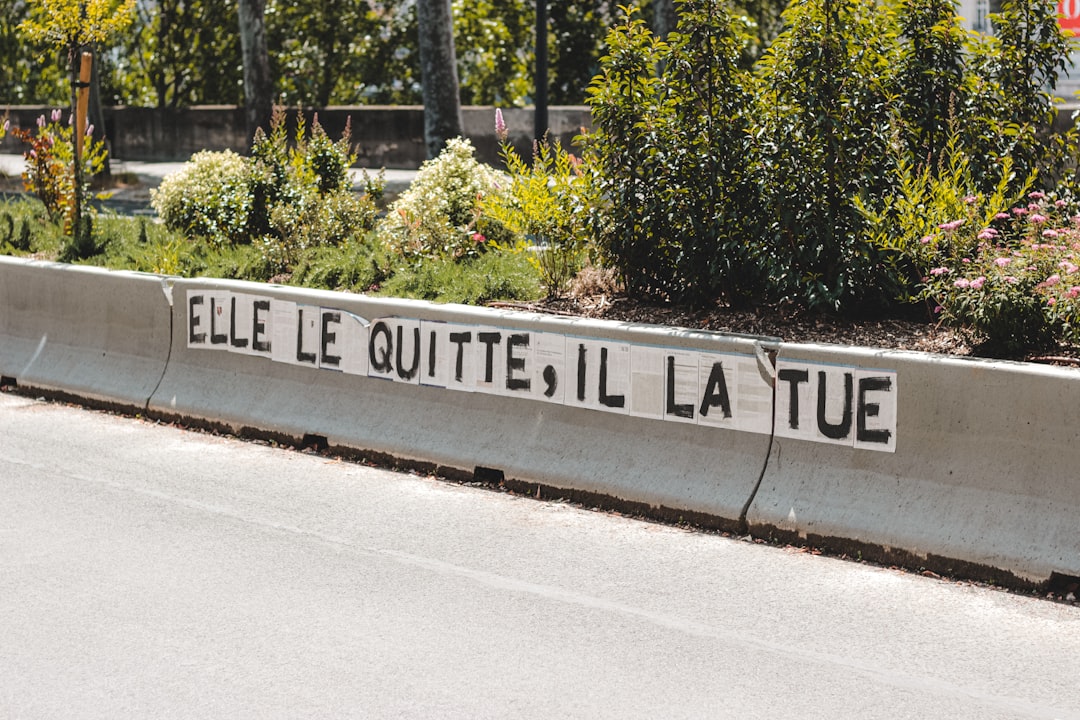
84	101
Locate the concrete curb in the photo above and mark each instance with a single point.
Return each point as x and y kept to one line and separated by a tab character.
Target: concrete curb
99	335
984	469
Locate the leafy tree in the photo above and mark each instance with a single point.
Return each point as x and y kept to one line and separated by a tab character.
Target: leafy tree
23	79
824	124
77	26
318	48
674	157
182	52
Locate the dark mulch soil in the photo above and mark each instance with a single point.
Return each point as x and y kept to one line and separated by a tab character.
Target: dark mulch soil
786	323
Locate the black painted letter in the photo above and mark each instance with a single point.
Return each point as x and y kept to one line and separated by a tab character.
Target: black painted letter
459	339
615	401
302	356
716	392
842	429
683	410
258	326
516	363
380	362
794	377
865	410
329	338
193	322
237	342
410	373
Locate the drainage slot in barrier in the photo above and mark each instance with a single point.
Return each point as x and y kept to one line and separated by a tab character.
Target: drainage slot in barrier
8	382
488	476
318	443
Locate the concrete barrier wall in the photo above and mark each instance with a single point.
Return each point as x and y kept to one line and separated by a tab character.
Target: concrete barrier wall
958	465
527	436
984	468
83	331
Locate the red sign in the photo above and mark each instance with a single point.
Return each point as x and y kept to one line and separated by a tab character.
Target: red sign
1069	15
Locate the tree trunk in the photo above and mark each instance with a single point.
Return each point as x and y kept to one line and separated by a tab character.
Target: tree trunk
258	86
665	18
438	74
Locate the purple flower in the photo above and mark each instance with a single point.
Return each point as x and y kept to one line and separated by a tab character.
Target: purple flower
500	126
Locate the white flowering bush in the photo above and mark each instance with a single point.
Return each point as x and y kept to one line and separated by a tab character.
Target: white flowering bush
438	215
208	198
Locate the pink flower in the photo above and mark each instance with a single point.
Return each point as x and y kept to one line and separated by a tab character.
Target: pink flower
1068	267
7	125
478	238
89	129
969	199
1036	195
940	271
1002	261
1001	216
57	114
1019	211
950	226
1037	219
962	283
41	121
1051	281
500	126
987	234
1051	301
1048	233
1060	203
965	260
1011	280
938	309
1073	292
925	240
977	283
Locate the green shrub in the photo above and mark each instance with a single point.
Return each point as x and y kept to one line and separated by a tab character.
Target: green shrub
210	197
546	206
438	215
354	267
673	157
474	281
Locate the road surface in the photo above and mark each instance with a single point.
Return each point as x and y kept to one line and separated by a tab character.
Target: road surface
149	572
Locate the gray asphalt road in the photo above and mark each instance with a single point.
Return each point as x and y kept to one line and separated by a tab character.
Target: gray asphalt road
147	572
